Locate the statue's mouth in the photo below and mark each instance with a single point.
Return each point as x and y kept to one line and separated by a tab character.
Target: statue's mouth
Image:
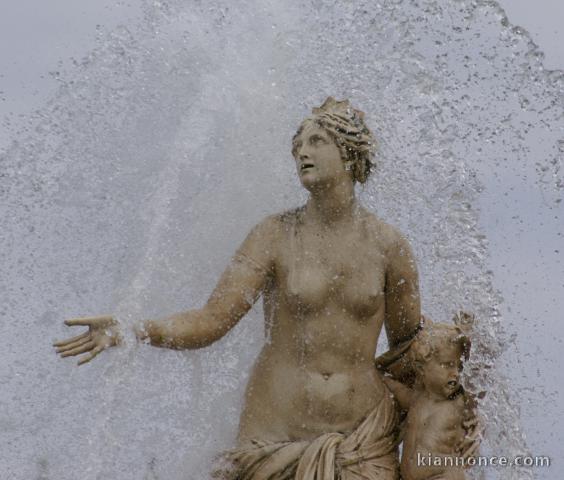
452	383
306	166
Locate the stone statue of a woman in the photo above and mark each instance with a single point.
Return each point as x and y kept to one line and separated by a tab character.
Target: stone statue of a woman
331	274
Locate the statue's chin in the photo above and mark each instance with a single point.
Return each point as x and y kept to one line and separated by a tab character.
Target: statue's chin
313	184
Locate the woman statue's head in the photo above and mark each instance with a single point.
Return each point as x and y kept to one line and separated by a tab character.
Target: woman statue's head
346	128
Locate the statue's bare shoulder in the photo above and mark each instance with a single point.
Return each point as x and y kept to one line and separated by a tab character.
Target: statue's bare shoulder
388	238
278	225
272	227
264	241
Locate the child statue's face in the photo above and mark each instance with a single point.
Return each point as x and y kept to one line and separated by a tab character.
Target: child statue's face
441	372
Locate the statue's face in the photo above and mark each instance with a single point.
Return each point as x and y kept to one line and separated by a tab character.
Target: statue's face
318	158
441	372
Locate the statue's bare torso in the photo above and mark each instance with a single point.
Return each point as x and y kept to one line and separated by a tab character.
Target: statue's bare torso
324	306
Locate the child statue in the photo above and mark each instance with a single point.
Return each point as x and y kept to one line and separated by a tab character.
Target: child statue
441	416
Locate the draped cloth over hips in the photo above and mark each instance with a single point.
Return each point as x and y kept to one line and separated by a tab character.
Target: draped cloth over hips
368	453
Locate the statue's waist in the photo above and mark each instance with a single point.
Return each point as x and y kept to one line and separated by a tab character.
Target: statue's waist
311	402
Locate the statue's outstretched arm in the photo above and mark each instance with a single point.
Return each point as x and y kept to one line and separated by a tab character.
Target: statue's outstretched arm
238	288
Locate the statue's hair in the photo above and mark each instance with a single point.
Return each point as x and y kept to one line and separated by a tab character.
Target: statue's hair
434	335
347	128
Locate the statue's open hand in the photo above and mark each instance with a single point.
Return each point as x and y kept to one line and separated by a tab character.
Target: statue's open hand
103	332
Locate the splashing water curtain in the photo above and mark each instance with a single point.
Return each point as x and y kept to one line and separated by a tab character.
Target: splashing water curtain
170	140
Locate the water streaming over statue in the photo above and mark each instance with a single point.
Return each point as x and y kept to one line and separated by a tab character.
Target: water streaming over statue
172	139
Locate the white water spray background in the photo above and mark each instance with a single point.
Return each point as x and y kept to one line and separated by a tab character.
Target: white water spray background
169	141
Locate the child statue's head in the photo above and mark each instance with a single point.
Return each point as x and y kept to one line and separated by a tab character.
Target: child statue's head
437	354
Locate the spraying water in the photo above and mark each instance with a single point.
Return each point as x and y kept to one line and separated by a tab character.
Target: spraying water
165	146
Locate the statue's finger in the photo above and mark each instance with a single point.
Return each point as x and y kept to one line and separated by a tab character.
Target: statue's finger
63	343
91	355
474	428
470	452
474	435
464	446
468	441
470	445
87	321
473	450
72	345
470	423
83	348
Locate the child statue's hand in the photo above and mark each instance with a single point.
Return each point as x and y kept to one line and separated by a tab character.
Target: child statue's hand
471	442
103	332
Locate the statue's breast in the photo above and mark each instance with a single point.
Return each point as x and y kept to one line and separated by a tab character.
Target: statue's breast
350	281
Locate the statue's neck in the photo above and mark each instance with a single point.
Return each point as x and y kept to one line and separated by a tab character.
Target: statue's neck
330	207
